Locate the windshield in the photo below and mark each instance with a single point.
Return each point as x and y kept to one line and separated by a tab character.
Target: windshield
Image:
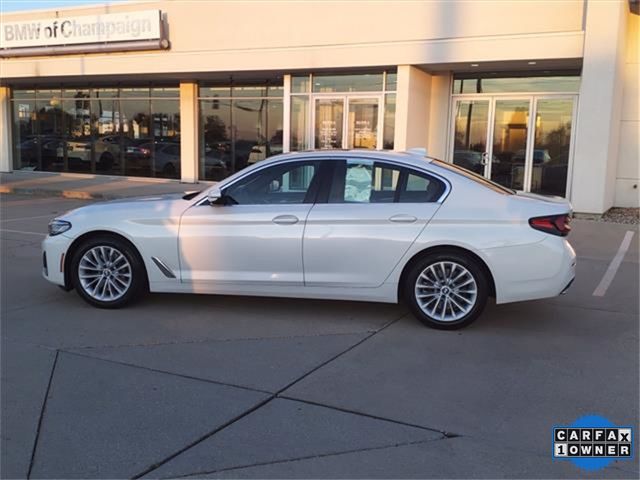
496	187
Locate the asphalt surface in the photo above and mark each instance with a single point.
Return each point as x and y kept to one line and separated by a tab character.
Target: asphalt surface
239	387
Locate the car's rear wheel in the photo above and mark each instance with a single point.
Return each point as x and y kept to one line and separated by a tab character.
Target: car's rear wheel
446	290
107	272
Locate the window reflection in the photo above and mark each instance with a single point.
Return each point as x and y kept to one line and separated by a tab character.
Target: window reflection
215	138
299	139
369	82
470	136
239	126
509	143
99	130
551	146
389	121
566	83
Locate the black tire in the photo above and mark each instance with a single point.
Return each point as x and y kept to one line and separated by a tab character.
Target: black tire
446	293
138	281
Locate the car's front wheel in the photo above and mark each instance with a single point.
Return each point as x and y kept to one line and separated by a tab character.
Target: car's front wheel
107	272
446	290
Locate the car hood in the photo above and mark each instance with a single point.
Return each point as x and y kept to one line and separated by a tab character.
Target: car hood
123	215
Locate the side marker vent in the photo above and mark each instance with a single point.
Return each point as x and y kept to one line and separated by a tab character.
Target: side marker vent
166	271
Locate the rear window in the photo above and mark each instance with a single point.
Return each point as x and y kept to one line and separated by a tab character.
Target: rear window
496	187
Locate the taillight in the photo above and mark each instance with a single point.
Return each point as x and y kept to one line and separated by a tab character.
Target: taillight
553	224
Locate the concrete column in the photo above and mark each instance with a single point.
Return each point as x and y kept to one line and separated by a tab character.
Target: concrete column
6	156
412	108
440	102
189	132
598	121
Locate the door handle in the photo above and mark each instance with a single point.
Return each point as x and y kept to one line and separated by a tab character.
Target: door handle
402	218
286	220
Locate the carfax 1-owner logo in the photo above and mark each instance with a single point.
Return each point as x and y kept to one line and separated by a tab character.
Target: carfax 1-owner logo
592	442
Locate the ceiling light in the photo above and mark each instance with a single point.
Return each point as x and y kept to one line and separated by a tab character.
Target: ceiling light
532	63
474	64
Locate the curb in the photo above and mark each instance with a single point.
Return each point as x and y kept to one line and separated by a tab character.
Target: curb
74	194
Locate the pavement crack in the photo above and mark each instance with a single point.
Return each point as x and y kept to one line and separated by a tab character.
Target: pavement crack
260	404
42	412
203	437
311	457
340	354
445	433
216	340
155	370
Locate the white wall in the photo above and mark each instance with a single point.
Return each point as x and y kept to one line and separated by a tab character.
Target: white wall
600	105
439	101
627	176
412	108
233	36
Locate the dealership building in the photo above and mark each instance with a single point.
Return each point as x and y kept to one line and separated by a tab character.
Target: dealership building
541	96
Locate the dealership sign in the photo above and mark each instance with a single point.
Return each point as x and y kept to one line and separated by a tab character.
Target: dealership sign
104	29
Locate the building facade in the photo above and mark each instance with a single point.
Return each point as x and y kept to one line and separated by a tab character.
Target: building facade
538	96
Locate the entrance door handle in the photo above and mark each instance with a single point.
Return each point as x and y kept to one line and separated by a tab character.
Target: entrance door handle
402	218
286	220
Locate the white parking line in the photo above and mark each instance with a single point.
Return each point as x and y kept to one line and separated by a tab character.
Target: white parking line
602	287
22	231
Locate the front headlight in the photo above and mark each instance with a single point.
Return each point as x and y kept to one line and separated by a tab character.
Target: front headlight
56	226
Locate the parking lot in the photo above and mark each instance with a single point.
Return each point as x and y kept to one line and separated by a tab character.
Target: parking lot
239	387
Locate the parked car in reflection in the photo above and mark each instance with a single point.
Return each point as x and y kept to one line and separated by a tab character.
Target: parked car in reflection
263	151
539	156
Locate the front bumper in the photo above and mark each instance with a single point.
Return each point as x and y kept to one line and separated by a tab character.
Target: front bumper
54	250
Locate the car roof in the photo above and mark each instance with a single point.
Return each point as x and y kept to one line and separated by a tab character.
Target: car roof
408	157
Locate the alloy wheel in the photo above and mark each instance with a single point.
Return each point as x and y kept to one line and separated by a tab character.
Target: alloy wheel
446	291
105	273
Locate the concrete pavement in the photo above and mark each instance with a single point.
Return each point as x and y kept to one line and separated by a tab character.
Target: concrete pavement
239	387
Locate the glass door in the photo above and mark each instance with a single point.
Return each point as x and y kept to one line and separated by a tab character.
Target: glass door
347	122
329	123
526	138
552	145
470	135
362	123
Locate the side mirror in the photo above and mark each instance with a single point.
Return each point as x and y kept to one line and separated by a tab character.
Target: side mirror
214	195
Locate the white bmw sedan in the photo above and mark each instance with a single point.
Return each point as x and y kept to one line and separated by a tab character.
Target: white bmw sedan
350	225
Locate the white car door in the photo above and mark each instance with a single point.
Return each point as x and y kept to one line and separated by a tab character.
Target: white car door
254	234
369	217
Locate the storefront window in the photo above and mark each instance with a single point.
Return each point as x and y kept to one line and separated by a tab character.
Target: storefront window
239	126
368	82
489	84
341	111
103	130
389	121
299	139
26	141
